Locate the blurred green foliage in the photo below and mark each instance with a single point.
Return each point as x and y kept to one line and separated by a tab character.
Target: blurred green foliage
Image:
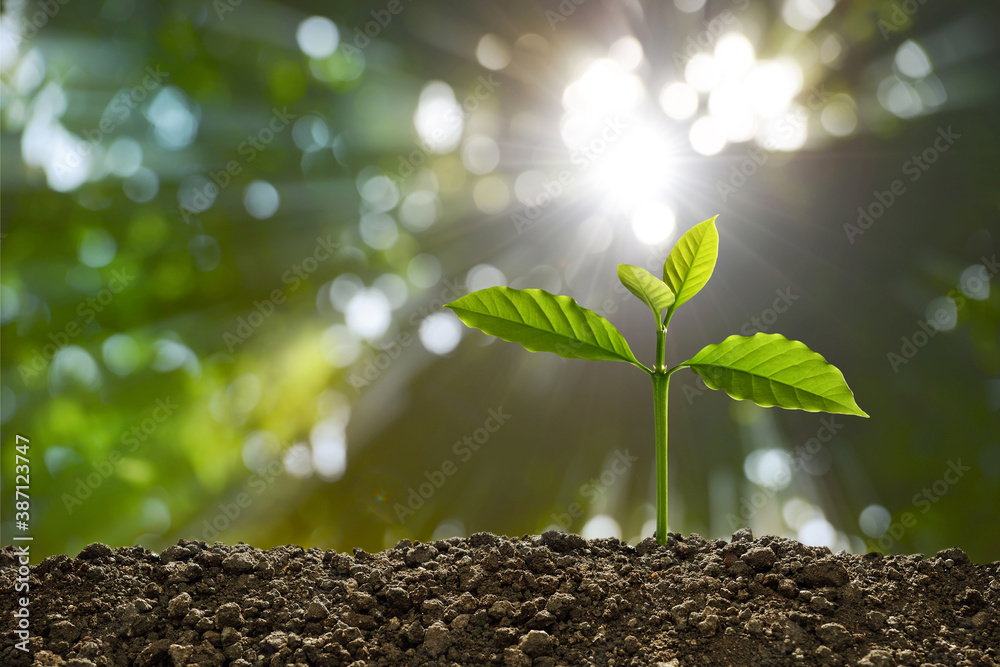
178	343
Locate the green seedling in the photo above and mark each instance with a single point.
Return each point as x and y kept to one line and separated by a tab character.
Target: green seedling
768	369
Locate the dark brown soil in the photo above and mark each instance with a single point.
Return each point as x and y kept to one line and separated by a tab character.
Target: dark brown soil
554	599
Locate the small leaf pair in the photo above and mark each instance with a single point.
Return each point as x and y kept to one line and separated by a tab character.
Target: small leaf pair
687	269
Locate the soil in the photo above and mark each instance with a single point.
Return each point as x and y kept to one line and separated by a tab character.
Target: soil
554	599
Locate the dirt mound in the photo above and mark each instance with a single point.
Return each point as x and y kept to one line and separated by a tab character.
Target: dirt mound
554	599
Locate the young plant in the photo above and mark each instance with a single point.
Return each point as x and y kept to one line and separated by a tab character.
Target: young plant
768	369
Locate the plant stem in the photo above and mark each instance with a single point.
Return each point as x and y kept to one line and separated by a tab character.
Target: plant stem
661	387
661	384
660	365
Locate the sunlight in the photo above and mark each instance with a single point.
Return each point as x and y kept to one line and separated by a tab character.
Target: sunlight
439	119
603	125
635	167
726	96
679	101
771	86
702	73
605	89
734	54
653	222
707	136
804	15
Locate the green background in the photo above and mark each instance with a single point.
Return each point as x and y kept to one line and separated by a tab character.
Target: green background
228	458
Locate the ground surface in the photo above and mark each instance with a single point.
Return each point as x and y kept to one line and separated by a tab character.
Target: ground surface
554	599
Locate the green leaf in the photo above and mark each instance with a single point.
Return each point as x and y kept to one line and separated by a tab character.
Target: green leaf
691	262
543	322
771	370
650	289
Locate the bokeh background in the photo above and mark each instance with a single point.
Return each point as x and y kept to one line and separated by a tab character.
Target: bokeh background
229	229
